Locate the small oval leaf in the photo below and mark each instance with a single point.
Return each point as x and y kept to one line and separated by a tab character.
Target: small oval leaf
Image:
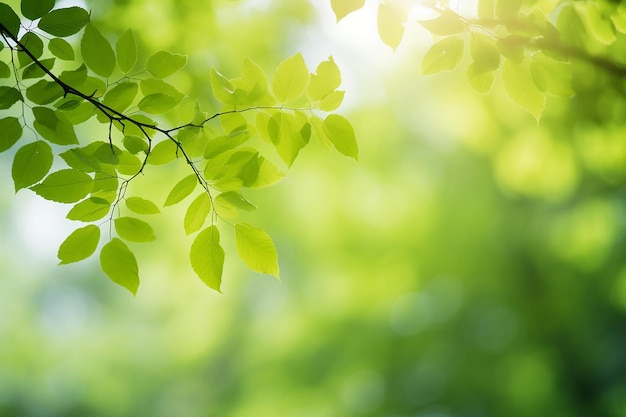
64	22
34	9
134	230
197	213
141	206
79	245
340	132
256	249
290	79
181	190
126	48
89	210
11	129
64	186
120	265
97	52
163	63
207	257
31	163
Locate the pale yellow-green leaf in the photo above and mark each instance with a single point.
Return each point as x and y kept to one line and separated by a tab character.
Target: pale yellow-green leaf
207	257
326	80
550	76
341	134
134	230
479	79
447	23
391	20
79	245
444	55
120	265
522	89
600	26
256	249
197	213
290	79
484	51
182	189
342	8
141	206
269	174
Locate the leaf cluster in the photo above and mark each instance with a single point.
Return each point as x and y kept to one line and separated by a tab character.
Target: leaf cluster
531	44
110	85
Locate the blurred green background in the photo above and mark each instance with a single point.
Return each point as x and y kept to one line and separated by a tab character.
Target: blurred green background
471	264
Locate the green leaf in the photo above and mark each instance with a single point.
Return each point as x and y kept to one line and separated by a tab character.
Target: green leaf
97	52
285	131
290	79
35	71
9	19
155	86
89	210
34	9
222	88
64	186
61	49
157	103
126	48
181	190
31	163
207	257
5	71
34	44
447	23
391	24
268	175
341	134
571	27
119	263
332	101
54	126
135	144
11	129
485	53
325	81
164	152
342	8
64	22
121	96
79	245
44	92
256	249
600	25
552	77
163	63
221	144
197	213
252	86
134	230
235	200
522	89
141	206
128	164
444	55
481	80
9	96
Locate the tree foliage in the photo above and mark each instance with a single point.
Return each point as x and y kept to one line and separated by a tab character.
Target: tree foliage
50	92
532	44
